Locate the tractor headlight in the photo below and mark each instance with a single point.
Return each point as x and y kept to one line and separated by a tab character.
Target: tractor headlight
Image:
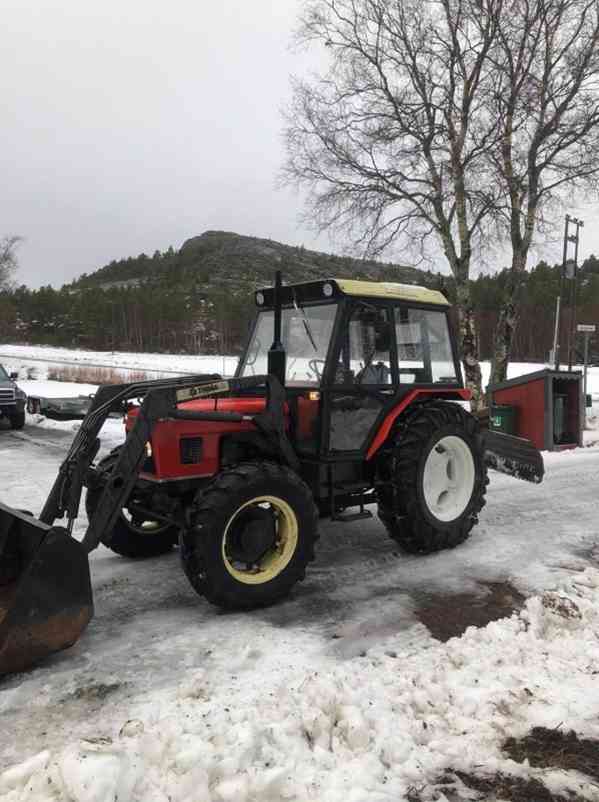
327	290
260	298
148	450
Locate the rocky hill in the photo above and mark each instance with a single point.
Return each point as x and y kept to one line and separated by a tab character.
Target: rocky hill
194	300
221	260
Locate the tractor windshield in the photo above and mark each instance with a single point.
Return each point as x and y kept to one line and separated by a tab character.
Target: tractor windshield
306	334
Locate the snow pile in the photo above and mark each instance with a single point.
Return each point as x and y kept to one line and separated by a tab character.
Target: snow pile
367	729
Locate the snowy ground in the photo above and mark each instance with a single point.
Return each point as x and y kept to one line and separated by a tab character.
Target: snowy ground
342	692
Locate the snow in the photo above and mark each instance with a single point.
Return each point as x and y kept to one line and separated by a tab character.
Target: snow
23	357
338	693
325	696
369	728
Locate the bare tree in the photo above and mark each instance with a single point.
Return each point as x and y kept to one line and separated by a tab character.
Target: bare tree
392	141
8	260
546	103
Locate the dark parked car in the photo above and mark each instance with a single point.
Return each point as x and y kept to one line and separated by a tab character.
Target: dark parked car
12	400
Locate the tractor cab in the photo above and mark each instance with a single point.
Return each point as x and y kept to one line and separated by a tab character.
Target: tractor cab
353	350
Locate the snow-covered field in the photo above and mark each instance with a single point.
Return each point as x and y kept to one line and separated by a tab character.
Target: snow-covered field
343	691
36	358
22	357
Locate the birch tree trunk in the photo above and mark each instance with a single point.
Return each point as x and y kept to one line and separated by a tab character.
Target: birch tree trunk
507	320
468	345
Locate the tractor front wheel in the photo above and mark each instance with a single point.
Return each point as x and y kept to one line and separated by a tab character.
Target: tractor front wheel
251	537
131	535
434	479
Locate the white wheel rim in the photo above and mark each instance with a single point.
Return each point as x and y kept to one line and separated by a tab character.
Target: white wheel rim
448	478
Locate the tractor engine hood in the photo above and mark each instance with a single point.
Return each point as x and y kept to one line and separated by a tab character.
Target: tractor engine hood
239	406
184	448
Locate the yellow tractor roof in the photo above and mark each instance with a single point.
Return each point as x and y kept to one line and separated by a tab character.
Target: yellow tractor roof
331	288
389	289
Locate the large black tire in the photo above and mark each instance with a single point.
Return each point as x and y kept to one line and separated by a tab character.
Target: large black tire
405	507
279	506
17	421
127	539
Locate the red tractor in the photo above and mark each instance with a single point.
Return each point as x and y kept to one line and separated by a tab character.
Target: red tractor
354	403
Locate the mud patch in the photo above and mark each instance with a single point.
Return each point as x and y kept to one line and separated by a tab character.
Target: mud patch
545	748
449	615
459	785
591	553
93	693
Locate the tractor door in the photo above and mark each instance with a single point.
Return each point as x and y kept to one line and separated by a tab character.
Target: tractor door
384	351
360	382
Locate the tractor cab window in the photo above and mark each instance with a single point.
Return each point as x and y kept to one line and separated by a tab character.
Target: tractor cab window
424	351
365	354
306	334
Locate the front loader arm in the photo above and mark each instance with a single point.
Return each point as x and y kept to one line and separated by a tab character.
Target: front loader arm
65	495
160	399
156	405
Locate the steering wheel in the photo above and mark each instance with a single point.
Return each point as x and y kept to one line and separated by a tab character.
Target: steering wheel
313	365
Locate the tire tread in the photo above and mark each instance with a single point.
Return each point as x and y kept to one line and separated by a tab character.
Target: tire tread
411	530
123	541
203	515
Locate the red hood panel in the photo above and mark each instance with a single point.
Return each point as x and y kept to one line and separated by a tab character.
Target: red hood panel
245	406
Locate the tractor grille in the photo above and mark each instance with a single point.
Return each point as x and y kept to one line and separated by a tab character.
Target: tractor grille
190	449
7	396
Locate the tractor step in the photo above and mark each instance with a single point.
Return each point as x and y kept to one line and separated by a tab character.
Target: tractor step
352	487
348	517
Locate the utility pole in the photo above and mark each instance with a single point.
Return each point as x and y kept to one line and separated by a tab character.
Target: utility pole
569	271
573	286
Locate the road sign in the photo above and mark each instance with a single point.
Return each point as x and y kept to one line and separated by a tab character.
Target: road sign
586	327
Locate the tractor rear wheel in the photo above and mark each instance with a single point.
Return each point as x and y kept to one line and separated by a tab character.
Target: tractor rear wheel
434	479
131	536
251	537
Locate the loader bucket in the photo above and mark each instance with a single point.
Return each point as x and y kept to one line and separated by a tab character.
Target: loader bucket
45	590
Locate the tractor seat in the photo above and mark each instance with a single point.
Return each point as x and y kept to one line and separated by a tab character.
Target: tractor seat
375	373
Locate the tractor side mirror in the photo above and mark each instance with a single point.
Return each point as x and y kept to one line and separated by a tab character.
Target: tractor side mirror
14	375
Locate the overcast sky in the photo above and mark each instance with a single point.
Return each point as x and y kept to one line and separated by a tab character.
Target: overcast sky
131	125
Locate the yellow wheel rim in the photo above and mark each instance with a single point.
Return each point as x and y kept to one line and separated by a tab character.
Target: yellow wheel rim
278	557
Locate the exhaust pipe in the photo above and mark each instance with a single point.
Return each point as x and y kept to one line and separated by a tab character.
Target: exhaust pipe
277	357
